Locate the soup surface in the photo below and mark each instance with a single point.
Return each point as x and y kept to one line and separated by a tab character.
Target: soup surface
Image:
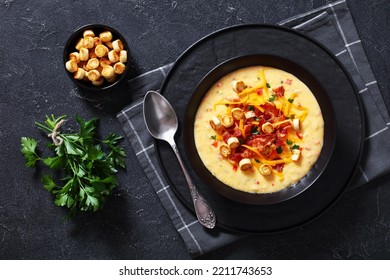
259	129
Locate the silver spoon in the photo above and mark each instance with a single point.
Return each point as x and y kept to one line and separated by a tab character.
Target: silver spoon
161	122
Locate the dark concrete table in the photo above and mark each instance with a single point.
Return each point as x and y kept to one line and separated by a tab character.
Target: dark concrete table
133	225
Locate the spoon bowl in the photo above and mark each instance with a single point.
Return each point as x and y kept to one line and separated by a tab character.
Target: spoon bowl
160	119
161	122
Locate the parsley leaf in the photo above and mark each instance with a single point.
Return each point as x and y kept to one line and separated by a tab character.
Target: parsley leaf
117	154
295	146
255	130
279	150
28	150
54	162
272	98
48	182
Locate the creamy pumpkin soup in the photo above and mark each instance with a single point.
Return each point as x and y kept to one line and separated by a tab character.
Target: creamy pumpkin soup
259	129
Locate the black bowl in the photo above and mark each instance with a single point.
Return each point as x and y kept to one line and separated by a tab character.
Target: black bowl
70	47
277	62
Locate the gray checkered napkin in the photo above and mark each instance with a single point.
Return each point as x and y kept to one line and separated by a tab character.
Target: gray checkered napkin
334	27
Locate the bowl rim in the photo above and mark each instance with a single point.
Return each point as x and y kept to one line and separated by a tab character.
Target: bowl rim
75	34
258	198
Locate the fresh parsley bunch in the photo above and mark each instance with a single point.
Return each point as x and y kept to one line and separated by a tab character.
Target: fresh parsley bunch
85	171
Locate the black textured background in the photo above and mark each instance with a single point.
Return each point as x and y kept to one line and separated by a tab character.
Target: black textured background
133	224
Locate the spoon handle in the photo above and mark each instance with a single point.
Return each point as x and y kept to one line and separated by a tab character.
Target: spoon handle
203	211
